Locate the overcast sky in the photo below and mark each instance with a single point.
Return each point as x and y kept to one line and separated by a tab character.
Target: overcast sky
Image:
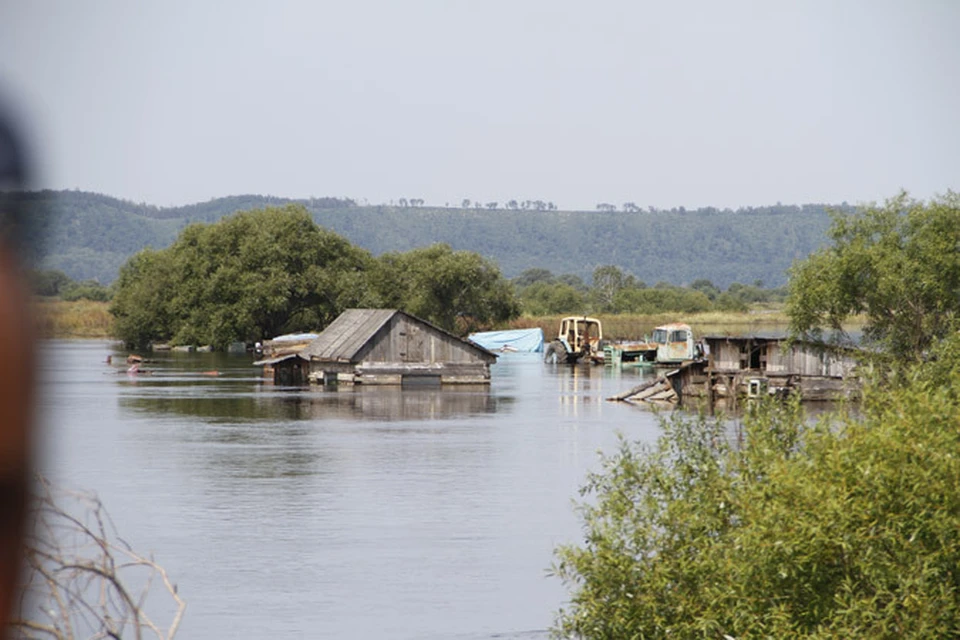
660	103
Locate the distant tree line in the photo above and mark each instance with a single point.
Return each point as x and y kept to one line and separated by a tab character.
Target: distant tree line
51	283
89	236
613	291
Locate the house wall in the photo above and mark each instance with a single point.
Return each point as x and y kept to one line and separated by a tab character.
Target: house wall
404	340
808	361
725	355
405	351
769	356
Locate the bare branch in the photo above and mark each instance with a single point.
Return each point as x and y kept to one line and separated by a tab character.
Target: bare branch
82	580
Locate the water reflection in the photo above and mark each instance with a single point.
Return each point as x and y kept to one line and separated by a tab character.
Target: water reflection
221	404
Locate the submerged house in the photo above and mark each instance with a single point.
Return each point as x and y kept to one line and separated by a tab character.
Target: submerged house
753	365
383	346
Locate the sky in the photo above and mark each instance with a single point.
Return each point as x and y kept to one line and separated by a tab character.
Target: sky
664	104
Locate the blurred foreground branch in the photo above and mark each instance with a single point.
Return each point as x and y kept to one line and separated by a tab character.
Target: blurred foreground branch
81	580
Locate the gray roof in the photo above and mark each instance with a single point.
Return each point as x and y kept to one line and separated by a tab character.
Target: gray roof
345	337
279	359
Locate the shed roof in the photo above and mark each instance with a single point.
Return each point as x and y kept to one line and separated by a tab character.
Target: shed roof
344	338
279	359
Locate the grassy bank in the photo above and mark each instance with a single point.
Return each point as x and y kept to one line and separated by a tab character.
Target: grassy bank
77	319
86	319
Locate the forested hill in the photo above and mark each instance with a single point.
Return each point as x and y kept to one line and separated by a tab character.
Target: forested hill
90	235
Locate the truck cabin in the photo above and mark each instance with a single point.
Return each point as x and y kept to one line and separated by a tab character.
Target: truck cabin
580	333
674	343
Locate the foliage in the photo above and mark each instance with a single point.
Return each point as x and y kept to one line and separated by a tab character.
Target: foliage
456	290
616	292
90	235
258	274
49	283
846	528
55	283
248	277
86	290
899	264
542	298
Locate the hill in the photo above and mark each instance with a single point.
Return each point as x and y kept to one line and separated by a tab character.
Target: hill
90	235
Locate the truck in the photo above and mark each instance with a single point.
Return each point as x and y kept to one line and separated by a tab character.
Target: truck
670	344
578	339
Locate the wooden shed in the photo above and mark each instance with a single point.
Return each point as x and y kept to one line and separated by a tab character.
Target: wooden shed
754	365
387	346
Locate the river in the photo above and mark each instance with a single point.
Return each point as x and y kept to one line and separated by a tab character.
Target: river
367	513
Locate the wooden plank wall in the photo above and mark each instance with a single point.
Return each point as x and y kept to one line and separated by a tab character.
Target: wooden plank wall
404	340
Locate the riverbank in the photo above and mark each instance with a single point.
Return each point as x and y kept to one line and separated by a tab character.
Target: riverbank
87	319
76	319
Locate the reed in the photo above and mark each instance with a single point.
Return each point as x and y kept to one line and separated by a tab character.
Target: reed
633	326
76	319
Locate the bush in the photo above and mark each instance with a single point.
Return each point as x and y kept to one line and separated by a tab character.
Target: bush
86	290
849	527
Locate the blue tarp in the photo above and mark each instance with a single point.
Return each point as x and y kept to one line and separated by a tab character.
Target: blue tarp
523	340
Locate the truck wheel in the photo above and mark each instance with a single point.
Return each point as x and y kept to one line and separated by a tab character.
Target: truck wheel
555	353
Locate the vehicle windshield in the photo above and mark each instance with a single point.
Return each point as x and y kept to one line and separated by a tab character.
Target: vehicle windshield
660	336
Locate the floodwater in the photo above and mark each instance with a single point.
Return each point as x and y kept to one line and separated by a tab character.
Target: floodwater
363	513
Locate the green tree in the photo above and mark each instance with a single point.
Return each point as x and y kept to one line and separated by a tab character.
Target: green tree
247	277
549	298
608	280
847	528
86	290
456	290
49	282
706	287
898	264
530	276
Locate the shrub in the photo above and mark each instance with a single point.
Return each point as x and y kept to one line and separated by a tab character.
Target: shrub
849	527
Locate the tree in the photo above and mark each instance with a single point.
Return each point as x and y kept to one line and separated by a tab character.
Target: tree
898	264
456	290
466	203
535	274
843	528
49	282
608	280
706	287
548	298
248	277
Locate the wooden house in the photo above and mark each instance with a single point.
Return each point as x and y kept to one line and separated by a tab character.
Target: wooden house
385	346
754	365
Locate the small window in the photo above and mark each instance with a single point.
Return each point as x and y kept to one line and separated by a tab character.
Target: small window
420	380
678	336
660	336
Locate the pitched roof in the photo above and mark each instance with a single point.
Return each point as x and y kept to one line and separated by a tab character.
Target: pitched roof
344	337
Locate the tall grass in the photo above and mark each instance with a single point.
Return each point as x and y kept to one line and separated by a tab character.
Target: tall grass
76	319
633	327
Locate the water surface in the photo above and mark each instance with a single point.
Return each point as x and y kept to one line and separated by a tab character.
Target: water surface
365	513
